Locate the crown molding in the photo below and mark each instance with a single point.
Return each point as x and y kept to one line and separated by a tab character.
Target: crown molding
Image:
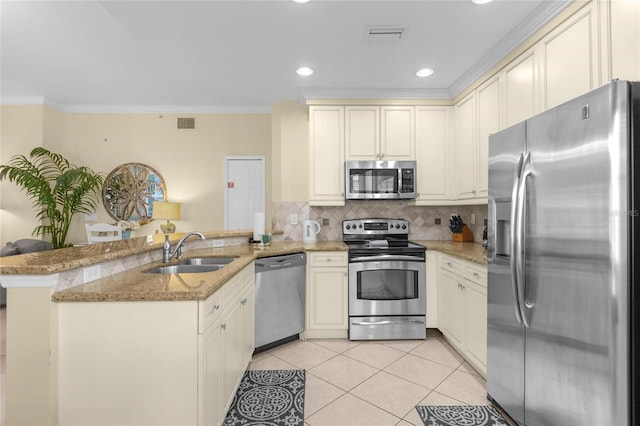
396	94
133	109
166	109
521	33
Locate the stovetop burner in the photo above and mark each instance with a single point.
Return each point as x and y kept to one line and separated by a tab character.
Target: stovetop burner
372	237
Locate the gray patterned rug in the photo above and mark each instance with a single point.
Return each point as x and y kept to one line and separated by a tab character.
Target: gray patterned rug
268	398
460	415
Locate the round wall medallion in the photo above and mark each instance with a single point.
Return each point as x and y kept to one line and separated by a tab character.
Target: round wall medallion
130	190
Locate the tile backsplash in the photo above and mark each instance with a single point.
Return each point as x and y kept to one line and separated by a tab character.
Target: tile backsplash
422	220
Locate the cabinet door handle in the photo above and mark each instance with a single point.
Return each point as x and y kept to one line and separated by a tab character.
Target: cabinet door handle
475	274
214	308
243	301
223	326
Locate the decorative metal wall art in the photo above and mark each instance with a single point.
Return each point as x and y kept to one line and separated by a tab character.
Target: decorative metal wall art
130	190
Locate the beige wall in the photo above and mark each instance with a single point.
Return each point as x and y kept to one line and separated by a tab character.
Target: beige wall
290	142
21	130
190	161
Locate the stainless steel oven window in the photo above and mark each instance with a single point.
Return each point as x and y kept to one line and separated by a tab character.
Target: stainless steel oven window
387	284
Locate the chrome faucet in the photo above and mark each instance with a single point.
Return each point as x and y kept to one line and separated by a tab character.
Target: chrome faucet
167	254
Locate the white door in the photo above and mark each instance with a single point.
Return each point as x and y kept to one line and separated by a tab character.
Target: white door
244	192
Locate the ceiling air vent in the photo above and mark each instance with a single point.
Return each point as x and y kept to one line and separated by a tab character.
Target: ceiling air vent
384	33
186	123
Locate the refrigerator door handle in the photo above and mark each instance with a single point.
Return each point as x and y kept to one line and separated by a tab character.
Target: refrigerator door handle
520	237
513	240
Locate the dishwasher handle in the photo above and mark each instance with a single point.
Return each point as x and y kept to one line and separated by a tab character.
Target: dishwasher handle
280	262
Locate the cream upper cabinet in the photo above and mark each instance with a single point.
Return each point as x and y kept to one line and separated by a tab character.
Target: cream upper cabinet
375	133
362	132
465	146
569	58
433	154
521	88
489	121
326	155
397	133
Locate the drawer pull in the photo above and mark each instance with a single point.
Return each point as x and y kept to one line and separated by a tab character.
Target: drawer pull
223	326
243	301
475	274
214	308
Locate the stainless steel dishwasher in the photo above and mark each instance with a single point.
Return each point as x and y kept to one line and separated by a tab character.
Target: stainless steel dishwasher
280	299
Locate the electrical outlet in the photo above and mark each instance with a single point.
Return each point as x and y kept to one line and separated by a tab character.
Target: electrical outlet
293	218
473	218
325	222
438	221
91	273
217	243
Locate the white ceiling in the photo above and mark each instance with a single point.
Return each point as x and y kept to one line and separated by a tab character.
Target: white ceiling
242	55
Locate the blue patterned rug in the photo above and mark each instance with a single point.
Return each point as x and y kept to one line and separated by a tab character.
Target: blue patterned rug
268	398
460	415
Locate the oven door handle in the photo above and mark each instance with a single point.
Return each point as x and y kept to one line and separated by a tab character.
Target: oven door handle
386	322
386	257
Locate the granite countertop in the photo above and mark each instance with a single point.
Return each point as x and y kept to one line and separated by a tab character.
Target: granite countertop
135	285
473	252
66	259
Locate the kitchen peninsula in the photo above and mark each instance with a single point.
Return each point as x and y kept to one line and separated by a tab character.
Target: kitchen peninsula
46	300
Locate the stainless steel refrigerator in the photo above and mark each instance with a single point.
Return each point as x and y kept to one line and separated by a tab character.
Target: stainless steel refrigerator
563	301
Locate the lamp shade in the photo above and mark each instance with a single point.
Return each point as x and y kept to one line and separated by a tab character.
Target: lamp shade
166	210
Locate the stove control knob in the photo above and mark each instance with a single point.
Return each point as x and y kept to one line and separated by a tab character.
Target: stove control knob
360	226
390	226
348	227
404	226
397	226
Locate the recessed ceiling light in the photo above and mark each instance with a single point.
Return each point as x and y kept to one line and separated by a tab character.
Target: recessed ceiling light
304	71
481	1
424	72
301	1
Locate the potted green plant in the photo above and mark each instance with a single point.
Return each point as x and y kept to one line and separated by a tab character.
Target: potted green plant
58	189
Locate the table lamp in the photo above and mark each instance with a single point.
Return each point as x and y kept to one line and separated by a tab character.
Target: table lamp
169	211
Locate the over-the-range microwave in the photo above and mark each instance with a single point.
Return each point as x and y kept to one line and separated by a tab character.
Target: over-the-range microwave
380	180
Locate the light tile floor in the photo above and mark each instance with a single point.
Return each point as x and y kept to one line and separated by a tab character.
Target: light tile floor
376	383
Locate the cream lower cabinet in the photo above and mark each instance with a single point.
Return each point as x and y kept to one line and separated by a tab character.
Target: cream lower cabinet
327	295
462	309
154	363
237	334
211	363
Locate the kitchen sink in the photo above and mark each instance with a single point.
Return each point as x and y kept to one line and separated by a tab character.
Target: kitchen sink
195	265
207	261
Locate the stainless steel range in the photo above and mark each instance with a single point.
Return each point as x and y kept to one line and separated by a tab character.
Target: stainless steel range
387	280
